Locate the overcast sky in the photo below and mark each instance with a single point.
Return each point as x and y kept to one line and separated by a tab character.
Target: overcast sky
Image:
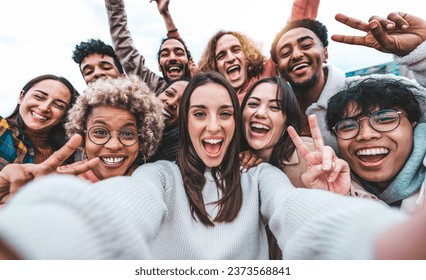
38	37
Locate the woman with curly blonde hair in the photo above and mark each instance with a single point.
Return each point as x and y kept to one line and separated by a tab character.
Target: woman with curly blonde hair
121	123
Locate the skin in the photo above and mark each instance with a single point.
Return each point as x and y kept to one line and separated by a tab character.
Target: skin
170	98
114	119
393	148
173	60
301	56
230	55
263	111
44	105
211	123
95	66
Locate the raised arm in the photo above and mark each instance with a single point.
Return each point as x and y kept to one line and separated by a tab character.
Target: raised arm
133	62
399	33
304	9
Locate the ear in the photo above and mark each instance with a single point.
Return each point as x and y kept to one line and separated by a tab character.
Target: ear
413	124
21	97
325	55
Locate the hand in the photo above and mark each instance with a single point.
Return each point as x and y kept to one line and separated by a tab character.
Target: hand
162	5
14	176
248	159
399	34
324	169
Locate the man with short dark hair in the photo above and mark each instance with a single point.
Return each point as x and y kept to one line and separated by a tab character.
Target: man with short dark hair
96	59
300	53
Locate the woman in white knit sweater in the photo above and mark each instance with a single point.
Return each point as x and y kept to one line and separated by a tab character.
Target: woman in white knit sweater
202	207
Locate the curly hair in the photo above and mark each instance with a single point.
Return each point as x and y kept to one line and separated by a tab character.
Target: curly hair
254	57
314	25
128	93
92	46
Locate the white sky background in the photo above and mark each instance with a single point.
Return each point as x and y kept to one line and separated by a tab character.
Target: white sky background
38	37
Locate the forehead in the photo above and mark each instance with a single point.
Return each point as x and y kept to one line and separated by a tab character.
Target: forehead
53	88
227	41
171	44
294	35
210	95
179	86
111	115
265	91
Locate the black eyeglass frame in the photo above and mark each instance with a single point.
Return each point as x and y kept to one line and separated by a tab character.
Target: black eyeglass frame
335	129
110	135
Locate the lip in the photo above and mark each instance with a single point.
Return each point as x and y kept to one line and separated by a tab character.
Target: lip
298	67
212	141
166	113
113	161
38	116
233	69
255	124
377	155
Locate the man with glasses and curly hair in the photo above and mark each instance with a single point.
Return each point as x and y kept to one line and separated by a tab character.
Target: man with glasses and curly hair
379	133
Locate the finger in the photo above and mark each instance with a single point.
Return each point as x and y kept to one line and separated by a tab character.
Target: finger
58	157
350	40
399	19
251	163
81	168
311	175
258	161
315	133
298	142
352	22
338	167
244	157
384	22
327	158
380	35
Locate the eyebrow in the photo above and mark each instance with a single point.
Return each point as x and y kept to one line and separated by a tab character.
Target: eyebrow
224	106
46	94
299	40
270	100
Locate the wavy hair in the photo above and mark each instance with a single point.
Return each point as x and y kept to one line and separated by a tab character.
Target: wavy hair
226	175
128	93
254	57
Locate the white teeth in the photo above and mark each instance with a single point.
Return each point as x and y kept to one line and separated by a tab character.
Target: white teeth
37	116
166	114
232	68
112	161
213	141
174	69
258	125
300	66
372	152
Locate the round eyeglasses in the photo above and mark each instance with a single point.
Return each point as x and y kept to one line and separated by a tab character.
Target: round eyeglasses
100	135
383	121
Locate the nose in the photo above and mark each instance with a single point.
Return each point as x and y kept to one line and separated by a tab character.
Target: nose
44	106
366	132
213	124
98	73
113	142
297	53
261	112
230	56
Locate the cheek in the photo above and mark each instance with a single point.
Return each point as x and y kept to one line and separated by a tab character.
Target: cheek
91	149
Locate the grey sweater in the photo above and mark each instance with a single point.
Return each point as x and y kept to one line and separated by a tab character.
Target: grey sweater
147	216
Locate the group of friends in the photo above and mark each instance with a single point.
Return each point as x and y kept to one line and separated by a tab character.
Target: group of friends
239	156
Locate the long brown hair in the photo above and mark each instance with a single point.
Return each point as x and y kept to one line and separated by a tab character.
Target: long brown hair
226	175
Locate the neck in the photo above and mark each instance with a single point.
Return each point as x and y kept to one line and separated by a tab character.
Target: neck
265	154
37	138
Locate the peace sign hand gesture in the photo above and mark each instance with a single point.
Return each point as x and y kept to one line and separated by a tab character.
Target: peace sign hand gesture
324	169
14	176
399	33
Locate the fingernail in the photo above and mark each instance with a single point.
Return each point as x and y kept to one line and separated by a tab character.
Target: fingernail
244	170
326	166
241	168
373	25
